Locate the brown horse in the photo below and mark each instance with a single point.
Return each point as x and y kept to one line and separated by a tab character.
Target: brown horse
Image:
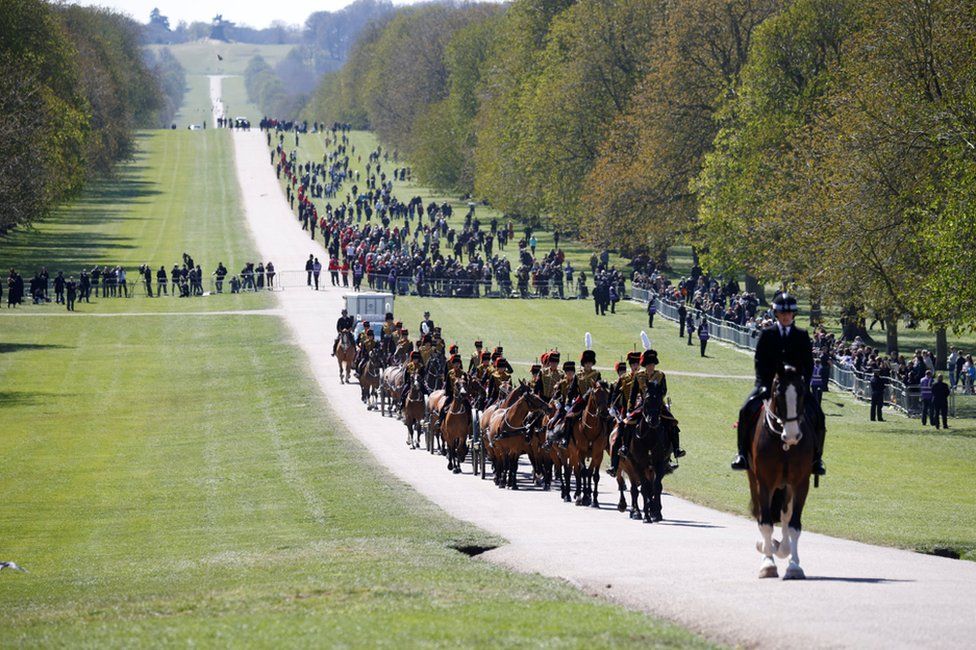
588	445
456	427
369	379
509	431
346	355
414	410
782	448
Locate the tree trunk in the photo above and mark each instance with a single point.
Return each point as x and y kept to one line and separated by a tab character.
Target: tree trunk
755	286
816	313
891	334
853	325
941	348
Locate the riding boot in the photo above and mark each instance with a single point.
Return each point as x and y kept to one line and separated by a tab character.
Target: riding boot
676	442
615	450
335	344
819	469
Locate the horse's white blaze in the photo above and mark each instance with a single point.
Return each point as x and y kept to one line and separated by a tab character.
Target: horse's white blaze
791	428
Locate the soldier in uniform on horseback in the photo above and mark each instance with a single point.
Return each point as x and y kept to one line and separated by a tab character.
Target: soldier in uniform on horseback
454	374
365	344
345	322
502	374
404	345
551	374
413	367
476	357
782	344
648	374
563	394
583	381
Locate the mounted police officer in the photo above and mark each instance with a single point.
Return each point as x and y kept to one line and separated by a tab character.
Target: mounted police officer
345	322
782	344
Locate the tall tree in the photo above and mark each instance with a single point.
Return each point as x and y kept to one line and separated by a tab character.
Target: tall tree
639	189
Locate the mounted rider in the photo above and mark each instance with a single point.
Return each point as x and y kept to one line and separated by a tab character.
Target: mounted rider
551	374
475	360
413	367
500	375
364	345
455	373
345	322
647	375
782	344
483	370
425	347
563	394
535	378
620	394
404	346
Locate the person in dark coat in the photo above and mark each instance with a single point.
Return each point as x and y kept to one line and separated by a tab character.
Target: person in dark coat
72	293
940	402
703	334
878	384
682	317
783	344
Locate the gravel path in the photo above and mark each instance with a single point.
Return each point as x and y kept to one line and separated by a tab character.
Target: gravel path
698	568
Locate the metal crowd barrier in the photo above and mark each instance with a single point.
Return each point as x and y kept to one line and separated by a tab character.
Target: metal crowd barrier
904	398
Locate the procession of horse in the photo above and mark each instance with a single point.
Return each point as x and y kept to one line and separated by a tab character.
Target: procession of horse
565	424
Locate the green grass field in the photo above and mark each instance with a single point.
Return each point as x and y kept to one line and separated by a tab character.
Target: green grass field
200	57
893	483
178	479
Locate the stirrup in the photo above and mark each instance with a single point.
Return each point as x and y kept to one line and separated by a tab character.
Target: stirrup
679	452
612	471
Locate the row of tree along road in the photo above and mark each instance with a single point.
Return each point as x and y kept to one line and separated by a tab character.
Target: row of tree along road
822	144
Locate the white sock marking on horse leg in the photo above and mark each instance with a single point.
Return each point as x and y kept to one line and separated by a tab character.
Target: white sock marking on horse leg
767	539
794	540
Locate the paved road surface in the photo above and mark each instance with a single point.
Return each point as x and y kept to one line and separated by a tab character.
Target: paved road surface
698	568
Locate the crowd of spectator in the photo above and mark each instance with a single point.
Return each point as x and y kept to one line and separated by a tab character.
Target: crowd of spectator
404	246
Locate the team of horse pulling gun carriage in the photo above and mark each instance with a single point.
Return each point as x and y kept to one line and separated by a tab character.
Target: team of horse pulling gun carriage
563	419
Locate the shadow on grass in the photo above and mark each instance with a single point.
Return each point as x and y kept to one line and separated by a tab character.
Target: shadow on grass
15	399
71	239
22	347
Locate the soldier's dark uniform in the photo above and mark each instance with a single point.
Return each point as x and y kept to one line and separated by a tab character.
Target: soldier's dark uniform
345	322
776	347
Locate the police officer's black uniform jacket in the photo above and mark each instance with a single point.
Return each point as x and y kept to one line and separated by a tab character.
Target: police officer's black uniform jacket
345	322
775	350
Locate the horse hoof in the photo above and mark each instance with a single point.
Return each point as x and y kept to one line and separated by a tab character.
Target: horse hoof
794	572
594	504
621	507
657	518
457	470
768	572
